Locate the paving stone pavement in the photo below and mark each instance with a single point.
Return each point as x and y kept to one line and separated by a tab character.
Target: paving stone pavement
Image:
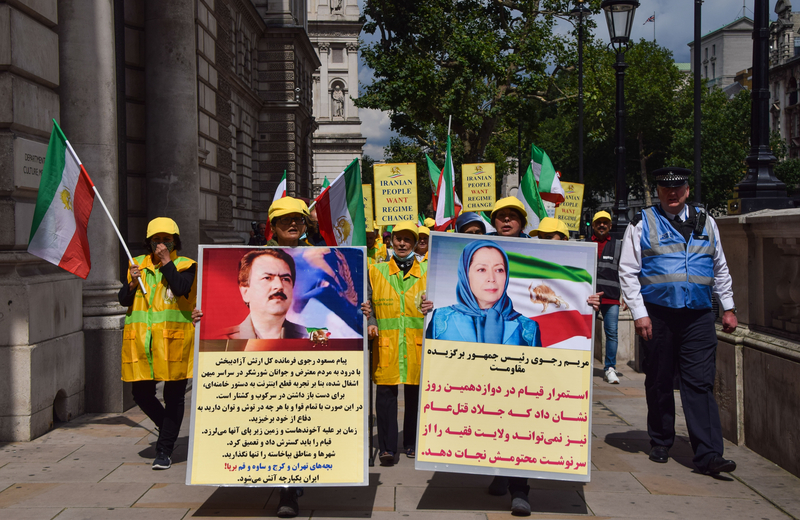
98	467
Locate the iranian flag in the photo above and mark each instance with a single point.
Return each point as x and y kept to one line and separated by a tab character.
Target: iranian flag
325	183
447	203
340	209
433	173
280	191
528	194
63	206
547	178
554	296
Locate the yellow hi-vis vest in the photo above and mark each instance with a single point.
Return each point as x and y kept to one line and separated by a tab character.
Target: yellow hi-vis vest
158	340
395	302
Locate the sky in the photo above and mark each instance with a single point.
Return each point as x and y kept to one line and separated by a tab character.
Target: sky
674	29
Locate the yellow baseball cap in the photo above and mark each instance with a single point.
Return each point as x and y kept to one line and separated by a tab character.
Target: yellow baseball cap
407	226
509	202
162	225
563	229
424	230
429	223
548	225
601	214
287	206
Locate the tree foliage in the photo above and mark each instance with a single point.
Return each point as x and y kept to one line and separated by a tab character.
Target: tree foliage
474	60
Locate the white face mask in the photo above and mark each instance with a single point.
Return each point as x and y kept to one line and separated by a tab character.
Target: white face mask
400	258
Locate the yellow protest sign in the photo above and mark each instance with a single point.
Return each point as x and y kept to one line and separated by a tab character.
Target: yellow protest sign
395	193
479	408
477	186
286	405
570	210
369	215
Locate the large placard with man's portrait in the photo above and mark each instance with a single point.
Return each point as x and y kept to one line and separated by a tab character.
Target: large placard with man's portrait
280	363
507	366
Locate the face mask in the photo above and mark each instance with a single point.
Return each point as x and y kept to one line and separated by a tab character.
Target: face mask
401	258
169	245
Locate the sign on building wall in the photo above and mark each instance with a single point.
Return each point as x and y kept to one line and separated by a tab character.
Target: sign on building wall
395	193
280	365
477	186
28	163
570	210
369	213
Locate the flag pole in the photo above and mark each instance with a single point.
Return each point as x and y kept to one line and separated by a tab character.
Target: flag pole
110	218
448	125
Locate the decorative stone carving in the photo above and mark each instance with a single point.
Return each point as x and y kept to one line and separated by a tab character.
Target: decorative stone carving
352	47
337	6
338	101
324	47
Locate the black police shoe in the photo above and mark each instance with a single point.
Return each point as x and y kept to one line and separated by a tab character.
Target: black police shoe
659	454
720	465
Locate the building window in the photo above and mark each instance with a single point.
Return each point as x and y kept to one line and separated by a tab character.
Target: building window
713	70
713	50
705	71
706	52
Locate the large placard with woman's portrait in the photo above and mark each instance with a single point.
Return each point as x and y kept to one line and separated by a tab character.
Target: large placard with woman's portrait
280	365
507	366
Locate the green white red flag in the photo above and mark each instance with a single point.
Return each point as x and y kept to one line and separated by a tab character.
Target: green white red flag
280	191
325	183
554	296
433	173
547	178
340	209
528	194
447	204
63	206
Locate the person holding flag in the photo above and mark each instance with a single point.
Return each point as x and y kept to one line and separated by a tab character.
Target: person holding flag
158	339
288	218
396	293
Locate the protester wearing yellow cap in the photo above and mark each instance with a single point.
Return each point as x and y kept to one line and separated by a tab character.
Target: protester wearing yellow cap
509	218
396	291
430	223
288	218
376	249
158	339
609	250
552	229
422	243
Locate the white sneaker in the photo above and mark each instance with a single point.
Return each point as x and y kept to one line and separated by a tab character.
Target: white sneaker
611	376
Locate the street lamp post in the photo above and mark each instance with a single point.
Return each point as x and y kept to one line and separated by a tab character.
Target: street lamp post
619	17
581	12
760	189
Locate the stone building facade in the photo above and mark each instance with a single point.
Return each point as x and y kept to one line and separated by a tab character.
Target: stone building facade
784	73
190	109
725	52
333	27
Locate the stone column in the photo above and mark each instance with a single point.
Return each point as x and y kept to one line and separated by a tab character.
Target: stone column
324	88
351	112
89	119
173	183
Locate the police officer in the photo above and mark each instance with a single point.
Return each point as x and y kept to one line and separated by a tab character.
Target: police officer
671	262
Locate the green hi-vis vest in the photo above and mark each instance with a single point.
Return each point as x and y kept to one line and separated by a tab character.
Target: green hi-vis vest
158	340
395	302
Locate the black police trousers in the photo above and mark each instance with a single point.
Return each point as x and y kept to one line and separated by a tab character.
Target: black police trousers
684	341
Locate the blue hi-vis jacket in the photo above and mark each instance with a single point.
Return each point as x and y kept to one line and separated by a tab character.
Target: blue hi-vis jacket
676	274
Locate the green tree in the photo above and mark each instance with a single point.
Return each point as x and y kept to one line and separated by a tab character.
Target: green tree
475	60
651	84
724	141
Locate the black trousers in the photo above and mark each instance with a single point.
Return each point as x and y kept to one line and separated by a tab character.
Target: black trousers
684	342
386	415
167	417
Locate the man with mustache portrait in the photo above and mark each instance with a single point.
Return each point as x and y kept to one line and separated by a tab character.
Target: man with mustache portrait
266	283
